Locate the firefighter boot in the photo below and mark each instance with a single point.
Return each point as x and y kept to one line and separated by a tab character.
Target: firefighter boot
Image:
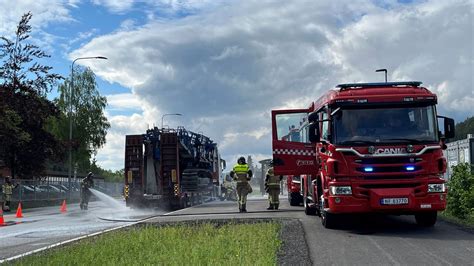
275	206
243	208
270	207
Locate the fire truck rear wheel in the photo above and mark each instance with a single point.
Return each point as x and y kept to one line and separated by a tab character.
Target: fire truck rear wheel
295	199
426	219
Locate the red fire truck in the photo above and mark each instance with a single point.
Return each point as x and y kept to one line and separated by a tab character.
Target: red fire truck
366	148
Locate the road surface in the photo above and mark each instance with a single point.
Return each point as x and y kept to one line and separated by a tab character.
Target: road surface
42	227
373	241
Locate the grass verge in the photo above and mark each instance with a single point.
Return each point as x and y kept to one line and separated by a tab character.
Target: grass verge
469	222
200	244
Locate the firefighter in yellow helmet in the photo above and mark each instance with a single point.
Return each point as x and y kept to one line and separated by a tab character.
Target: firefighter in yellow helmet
242	174
272	186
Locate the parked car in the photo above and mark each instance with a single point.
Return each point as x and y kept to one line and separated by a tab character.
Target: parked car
50	188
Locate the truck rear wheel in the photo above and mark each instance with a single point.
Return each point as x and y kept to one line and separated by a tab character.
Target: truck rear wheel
426	219
294	200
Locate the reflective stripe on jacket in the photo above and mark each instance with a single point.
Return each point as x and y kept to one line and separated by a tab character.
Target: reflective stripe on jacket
7	189
241	170
273	181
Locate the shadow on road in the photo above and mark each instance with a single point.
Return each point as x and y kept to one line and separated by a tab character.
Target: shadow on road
400	226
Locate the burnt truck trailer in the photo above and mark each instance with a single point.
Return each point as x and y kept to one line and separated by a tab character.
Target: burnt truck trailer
171	168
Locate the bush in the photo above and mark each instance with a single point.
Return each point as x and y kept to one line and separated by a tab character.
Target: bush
461	192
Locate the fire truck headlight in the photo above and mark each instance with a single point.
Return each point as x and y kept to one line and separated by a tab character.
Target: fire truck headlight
436	188
340	190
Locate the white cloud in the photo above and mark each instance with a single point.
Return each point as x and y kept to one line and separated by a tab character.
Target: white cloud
170	7
44	12
227	68
117	6
431	42
123	101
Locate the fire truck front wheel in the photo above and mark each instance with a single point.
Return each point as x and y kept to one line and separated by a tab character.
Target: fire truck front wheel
308	208
426	219
328	220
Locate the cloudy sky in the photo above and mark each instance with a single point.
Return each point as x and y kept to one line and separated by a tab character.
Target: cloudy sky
225	64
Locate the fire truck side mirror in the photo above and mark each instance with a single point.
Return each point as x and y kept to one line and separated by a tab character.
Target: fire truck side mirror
448	127
313	134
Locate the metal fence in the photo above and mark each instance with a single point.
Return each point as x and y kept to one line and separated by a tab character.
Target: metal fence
58	188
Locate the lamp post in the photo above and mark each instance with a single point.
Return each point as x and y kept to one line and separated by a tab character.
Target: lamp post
70	115
166	115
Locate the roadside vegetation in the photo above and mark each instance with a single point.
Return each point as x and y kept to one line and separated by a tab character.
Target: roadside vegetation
463	128
203	244
461	195
33	142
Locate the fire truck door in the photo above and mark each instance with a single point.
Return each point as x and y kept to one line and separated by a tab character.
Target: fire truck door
293	154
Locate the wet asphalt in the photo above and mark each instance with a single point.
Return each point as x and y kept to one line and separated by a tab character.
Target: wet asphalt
374	240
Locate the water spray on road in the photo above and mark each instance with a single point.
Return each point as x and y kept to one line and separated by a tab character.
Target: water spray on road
120	212
116	204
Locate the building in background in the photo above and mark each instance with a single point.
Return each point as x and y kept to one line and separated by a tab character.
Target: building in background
461	151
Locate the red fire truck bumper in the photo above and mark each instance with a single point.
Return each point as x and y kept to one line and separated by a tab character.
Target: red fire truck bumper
388	200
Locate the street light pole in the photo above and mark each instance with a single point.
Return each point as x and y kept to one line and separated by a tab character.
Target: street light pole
166	115
71	87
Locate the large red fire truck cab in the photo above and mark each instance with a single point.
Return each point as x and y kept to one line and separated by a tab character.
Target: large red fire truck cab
365	148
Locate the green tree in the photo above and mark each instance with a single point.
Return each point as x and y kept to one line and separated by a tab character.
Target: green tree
89	122
25	144
108	175
464	128
21	66
461	192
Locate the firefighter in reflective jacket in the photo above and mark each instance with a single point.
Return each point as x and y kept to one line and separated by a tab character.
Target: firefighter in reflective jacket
272	186
86	194
242	174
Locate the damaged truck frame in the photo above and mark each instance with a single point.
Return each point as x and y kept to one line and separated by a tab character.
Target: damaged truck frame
366	148
171	168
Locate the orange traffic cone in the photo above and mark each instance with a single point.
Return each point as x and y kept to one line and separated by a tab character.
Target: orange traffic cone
19	213
63	207
2	221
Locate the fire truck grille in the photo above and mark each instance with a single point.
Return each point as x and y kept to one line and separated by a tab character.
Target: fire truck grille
388	169
388	160
388	177
398	185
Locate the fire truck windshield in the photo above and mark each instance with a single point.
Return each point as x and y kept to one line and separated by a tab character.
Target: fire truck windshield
385	125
